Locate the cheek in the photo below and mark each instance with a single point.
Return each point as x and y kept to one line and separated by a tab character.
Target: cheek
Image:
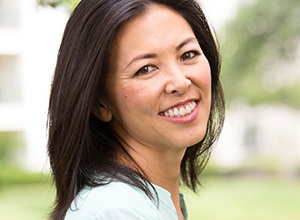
140	99
207	74
204	78
208	86
208	82
130	98
130	94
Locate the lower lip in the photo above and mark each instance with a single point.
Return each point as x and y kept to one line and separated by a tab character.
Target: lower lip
184	119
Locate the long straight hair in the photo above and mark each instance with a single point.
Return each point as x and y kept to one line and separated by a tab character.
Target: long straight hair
81	146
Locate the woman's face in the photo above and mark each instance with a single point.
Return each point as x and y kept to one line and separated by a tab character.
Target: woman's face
159	89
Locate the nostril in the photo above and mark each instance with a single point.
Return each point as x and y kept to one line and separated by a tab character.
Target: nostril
178	85
189	83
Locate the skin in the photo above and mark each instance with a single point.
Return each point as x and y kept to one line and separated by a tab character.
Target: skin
157	65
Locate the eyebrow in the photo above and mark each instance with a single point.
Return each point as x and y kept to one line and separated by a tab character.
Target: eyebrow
141	57
152	55
185	42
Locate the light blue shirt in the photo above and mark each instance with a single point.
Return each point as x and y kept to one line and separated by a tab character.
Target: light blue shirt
119	200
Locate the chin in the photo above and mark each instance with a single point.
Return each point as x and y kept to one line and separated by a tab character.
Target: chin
197	139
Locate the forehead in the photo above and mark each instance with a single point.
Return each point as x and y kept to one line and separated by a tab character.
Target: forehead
157	24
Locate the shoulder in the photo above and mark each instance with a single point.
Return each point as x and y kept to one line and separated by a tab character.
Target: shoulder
112	201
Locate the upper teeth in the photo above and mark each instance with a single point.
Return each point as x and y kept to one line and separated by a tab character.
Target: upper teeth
182	111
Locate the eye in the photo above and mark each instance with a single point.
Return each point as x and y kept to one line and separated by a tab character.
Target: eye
145	70
189	55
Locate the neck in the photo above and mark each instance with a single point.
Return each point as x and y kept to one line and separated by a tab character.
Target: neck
160	168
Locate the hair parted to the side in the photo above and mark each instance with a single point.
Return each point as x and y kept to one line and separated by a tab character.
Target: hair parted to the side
80	146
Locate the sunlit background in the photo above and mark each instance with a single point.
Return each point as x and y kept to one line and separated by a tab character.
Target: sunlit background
254	172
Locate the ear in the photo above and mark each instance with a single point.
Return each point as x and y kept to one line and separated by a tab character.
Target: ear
103	113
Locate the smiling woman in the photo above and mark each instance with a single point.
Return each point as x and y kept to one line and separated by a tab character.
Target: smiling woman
135	106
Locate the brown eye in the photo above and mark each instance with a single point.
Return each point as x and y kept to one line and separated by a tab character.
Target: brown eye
145	70
189	55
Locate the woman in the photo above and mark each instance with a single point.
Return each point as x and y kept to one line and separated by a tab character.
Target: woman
136	104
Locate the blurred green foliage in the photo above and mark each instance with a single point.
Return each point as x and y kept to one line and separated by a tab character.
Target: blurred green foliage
69	4
261	52
11	172
10	175
10	142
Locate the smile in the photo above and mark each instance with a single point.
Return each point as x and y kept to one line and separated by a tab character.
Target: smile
180	112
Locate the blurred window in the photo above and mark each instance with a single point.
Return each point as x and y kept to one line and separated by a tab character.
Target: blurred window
251	140
10	79
10	13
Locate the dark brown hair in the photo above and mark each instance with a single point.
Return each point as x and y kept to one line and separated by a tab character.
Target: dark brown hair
82	148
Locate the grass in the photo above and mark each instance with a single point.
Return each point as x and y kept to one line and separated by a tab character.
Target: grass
220	198
246	198
26	202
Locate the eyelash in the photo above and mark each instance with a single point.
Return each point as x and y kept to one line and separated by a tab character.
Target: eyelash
194	52
142	70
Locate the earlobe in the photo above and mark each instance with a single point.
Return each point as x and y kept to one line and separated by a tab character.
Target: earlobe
103	113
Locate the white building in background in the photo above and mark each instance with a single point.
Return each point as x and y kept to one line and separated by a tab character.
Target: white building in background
29	40
266	136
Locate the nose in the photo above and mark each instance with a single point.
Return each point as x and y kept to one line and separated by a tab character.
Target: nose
177	83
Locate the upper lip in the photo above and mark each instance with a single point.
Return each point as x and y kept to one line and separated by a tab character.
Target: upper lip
181	103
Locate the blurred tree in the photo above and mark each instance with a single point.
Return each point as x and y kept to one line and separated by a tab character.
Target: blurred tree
69	4
10	142
261	53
